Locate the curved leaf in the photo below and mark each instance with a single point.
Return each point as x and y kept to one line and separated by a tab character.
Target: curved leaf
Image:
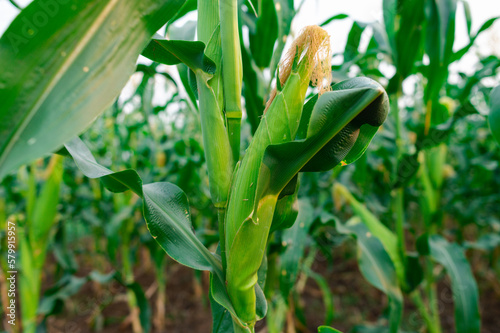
327	329
463	284
114	181
266	32
63	63
222	321
334	18
166	210
377	228
486	25
173	52
294	240
494	117
359	104
377	267
285	213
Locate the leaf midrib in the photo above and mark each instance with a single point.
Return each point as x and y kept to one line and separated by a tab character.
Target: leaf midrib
69	60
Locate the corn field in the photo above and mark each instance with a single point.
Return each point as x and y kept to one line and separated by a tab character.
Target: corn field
211	166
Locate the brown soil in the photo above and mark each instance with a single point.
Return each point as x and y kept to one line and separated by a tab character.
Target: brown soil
187	309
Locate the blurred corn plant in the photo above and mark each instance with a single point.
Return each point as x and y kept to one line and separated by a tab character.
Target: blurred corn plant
93	46
417	41
34	233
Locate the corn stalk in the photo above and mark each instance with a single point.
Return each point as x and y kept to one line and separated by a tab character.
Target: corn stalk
332	128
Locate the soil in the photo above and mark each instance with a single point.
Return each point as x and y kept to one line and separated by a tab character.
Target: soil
105	307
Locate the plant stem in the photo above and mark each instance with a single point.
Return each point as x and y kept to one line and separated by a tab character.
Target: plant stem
218	150
399	193
417	300
128	274
239	329
221	214
232	72
432	295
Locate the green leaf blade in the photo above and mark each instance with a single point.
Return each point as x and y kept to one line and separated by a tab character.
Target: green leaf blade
463	284
62	64
494	117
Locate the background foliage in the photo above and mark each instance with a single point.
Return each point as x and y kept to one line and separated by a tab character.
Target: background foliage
405	239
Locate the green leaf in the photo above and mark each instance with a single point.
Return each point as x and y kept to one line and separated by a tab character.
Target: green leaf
285	14
486	243
460	53
166	210
353	40
189	6
326	294
114	181
334	18
439	43
403	25
494	117
54	297
45	210
414	272
294	240
143	305
173	52
327	329
463	284
266	32
468	15
222	321
253	88
377	267
359	104
388	238
63	63
285	213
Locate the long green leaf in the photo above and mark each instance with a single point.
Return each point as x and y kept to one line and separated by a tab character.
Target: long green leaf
45	210
486	25
327	329
266	32
295	239
222	321
63	63
377	267
166	210
494	117
403	25
440	38
173	52
463	284
376	228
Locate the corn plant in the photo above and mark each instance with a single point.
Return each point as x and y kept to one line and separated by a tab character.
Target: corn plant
416	166
71	68
34	233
